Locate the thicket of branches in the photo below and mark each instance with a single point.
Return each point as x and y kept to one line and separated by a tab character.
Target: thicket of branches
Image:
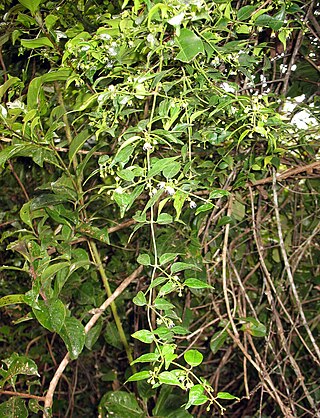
159	208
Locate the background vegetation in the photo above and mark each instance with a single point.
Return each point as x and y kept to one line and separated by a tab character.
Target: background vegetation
159	208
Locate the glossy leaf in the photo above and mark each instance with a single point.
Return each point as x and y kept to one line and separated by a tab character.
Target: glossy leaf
140	299
73	336
217	340
15	407
120	404
144	335
197	284
147	358
225	395
196	396
144	259
190	45
193	357
11	300
51	314
139	376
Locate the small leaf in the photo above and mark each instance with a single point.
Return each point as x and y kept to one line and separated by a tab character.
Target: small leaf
167	288
93	334
193	357
36	43
32	5
77	143
204	208
163	304
147	358
171	170
140	299
165	258
139	376
225	395
73	336
196	396
245	12
144	259
216	194
144	335
164	218
11	300
197	284
217	340
120	404
179	266
51	270
169	378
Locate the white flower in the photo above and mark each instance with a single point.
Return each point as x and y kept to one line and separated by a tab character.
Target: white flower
85	48
176	20
283	68
111	87
105	36
192	204
119	190
147	146
161	185
293	67
112	52
170	190
151	39
227	88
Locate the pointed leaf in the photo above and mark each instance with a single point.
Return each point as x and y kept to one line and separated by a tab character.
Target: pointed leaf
73	336
190	45
193	357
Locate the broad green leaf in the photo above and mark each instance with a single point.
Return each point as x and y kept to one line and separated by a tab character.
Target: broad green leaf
36	43
32	5
160	165
139	376
90	231
167	288
73	335
178	202
217	340
147	358
204	208
169	378
140	299
93	334
167	257
193	357
46	200
15	407
18	365
50	313
52	269
163	304
179	266
254	327
157	281
171	170
144	259
196	396
197	284
77	143
216	194
190	45
164	218
120	404
225	395
245	12
6	86
11	300
144	335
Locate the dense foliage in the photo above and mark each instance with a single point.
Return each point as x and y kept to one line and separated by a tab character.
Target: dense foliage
159	208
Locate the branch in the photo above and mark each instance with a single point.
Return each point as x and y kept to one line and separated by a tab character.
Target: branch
22	395
291	172
287	265
53	384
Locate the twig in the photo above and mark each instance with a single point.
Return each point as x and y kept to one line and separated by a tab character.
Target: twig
22	395
90	324
287	265
291	172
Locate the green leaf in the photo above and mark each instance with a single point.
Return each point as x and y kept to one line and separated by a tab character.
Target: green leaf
167	288
112	337
73	336
197	284
217	340
167	257
18	365
178	202
144	259
144	335
245	12
171	170
179	266
196	396
157	281
169	378
45	200
216	194
164	218
100	234
15	407
51	314
140	299
52	269
254	327
93	334
163	304
147	358
139	376
190	45
11	300
160	165
32	5
77	143
204	208
225	395
36	43
193	357
120	405
6	86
